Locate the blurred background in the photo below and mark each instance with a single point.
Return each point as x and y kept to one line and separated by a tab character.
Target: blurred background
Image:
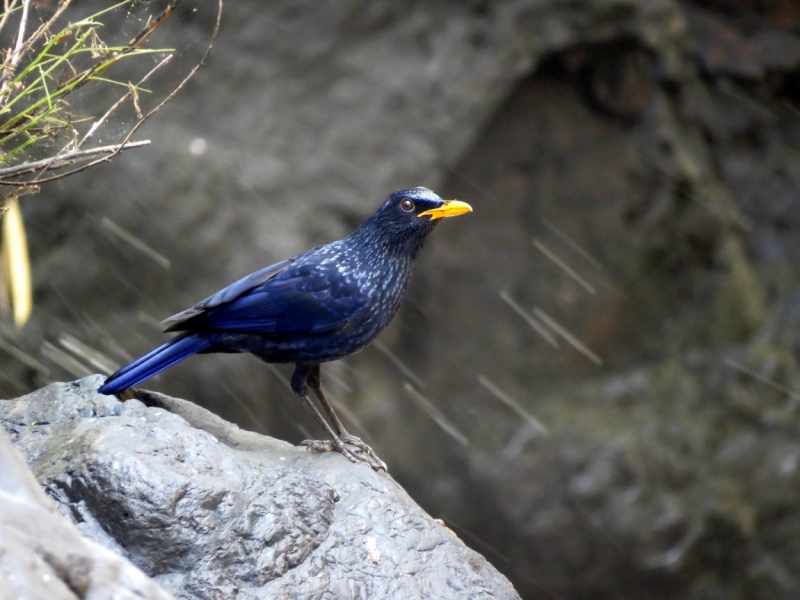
594	379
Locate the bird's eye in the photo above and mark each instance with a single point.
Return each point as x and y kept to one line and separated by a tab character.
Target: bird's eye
407	205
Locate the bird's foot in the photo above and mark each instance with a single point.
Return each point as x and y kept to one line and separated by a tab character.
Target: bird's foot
351	447
364	449
318	446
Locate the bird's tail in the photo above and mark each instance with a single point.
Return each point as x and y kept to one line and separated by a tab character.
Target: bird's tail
154	362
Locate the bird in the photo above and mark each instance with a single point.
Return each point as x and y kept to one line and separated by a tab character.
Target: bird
319	306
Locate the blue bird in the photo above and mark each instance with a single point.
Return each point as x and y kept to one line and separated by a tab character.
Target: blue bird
319	306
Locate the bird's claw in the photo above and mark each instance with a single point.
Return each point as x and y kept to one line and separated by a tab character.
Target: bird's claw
363	448
362	453
318	446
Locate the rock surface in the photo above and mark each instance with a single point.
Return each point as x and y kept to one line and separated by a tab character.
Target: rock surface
43	557
211	511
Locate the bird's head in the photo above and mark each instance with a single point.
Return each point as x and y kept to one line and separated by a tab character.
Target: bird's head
407	217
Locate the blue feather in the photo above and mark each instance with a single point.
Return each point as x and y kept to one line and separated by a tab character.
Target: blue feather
300	296
154	362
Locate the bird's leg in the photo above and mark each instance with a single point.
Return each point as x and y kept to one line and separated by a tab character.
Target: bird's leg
300	388
301	391
314	380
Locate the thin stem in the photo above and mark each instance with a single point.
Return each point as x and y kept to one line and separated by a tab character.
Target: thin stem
8	8
56	162
114	106
16	56
47	99
47	25
141	122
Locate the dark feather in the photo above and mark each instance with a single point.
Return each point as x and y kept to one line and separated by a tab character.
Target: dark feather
227	294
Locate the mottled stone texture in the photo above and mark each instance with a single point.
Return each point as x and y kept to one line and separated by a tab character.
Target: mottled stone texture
42	556
213	512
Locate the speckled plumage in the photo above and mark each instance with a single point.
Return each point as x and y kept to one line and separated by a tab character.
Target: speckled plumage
322	305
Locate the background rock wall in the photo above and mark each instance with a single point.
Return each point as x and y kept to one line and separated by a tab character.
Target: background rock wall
634	171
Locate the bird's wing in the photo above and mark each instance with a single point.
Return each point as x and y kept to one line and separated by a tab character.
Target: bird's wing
308	299
227	294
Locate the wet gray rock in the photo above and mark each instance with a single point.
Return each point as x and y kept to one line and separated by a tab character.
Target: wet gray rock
211	511
42	556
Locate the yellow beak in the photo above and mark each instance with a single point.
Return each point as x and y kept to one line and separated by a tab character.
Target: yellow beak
450	208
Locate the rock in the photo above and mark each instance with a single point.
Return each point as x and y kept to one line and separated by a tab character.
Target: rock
211	511
620	81
725	49
42	556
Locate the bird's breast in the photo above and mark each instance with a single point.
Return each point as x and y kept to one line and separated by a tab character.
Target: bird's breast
382	282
